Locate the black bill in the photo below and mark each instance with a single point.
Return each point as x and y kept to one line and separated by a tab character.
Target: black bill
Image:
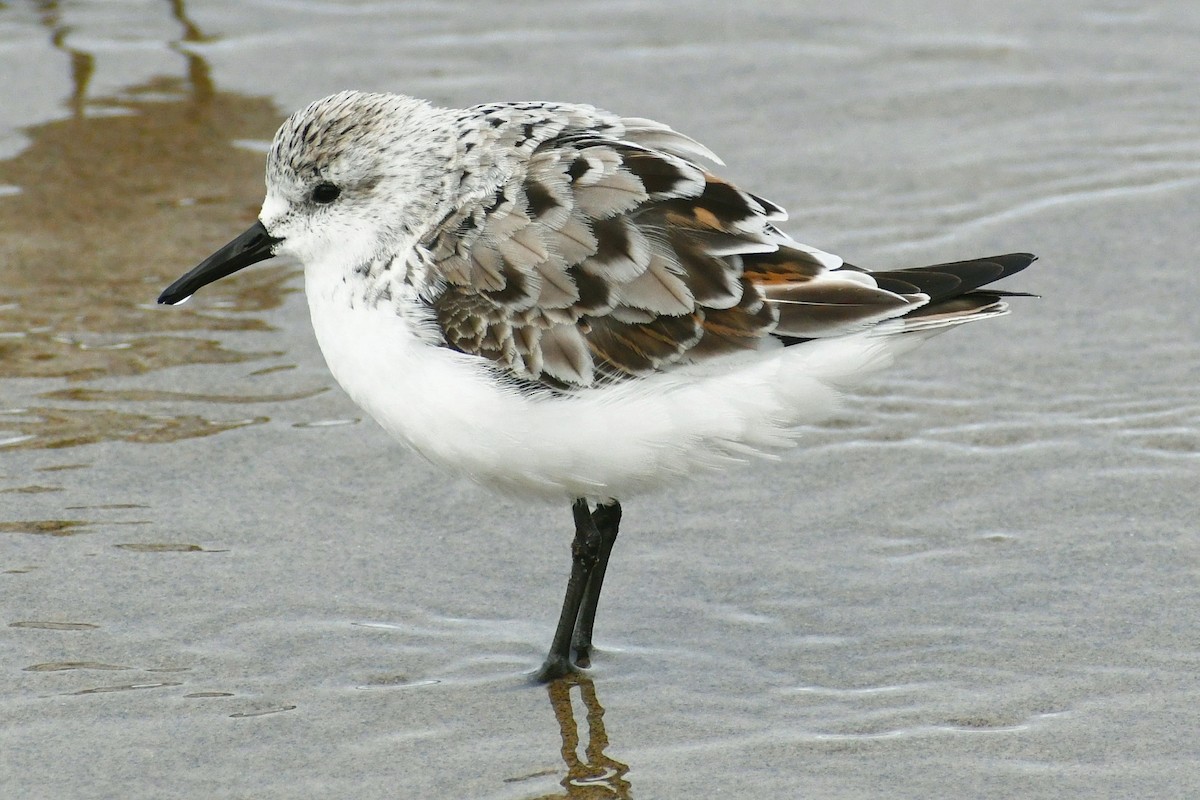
249	248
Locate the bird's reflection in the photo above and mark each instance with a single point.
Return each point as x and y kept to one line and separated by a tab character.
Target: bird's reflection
591	775
83	64
101	204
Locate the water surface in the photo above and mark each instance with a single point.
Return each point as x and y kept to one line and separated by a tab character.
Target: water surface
217	579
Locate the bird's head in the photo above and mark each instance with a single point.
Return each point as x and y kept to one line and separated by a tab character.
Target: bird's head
351	178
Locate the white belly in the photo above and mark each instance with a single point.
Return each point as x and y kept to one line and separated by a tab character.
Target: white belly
602	443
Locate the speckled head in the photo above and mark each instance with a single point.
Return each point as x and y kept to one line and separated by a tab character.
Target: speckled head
352	178
356	172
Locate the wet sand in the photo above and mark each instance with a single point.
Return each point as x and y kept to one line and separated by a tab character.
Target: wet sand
218	580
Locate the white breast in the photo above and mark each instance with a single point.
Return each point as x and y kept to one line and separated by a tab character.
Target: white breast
606	442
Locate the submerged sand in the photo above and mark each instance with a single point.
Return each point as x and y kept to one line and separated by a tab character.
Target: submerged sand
218	580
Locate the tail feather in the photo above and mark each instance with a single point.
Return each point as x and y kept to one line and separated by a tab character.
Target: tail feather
964	303
954	279
964	308
953	290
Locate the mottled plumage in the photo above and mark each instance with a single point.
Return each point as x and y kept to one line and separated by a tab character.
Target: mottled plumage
570	246
563	303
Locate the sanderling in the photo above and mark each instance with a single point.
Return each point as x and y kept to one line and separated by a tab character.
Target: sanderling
562	303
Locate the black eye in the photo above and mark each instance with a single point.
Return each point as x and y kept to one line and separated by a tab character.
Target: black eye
325	193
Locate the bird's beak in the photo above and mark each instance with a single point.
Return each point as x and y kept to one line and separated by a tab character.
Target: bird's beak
249	248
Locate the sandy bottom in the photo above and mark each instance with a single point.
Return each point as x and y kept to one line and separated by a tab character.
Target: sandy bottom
218	580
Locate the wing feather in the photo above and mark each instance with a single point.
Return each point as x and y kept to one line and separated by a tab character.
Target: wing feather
588	247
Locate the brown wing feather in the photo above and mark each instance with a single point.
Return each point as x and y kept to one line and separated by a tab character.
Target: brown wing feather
602	259
606	254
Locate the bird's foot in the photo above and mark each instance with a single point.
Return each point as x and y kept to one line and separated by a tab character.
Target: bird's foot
555	667
583	656
581	643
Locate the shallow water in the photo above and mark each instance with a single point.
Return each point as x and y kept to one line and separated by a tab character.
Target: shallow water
217	579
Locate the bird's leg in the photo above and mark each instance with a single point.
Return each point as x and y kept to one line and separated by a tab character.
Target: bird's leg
607	518
585	550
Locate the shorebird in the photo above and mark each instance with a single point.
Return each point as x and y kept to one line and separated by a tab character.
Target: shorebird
562	303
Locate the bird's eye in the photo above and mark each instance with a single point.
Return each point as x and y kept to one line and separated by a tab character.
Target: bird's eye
325	193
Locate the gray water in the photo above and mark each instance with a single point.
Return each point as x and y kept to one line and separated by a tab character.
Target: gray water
980	580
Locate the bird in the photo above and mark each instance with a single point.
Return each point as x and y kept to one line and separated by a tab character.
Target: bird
565	304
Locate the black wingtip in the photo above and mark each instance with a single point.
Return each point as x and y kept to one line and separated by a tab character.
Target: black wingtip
1012	262
944	281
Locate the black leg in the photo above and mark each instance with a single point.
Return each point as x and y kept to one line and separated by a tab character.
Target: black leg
607	519
585	549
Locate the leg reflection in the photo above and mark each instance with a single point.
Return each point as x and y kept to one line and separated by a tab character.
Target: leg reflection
591	775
